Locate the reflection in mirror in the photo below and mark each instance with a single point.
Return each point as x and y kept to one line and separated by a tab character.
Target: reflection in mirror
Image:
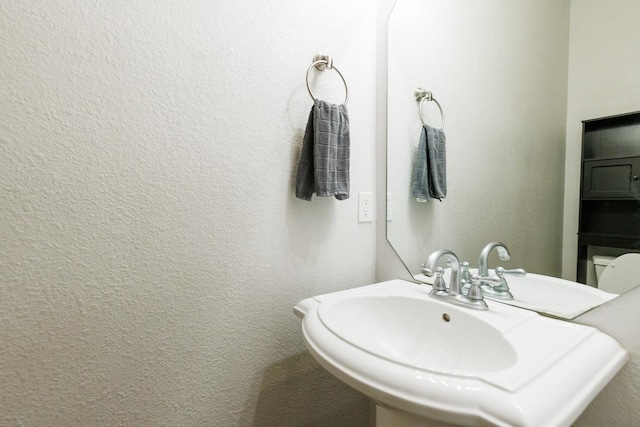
499	71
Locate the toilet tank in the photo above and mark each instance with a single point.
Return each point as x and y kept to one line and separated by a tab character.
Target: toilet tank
601	262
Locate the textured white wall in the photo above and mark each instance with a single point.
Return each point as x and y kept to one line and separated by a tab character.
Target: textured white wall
151	247
604	80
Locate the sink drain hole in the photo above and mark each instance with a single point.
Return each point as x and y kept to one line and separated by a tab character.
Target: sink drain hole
446	317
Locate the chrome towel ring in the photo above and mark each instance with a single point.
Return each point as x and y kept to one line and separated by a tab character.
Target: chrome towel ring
322	62
424	95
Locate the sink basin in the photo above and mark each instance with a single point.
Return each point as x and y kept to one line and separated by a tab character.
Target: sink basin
402	330
441	362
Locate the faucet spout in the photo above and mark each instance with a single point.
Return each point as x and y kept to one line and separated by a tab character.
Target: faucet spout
501	291
483	262
454	294
432	262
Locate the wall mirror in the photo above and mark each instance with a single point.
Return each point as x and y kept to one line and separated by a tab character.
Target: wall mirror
499	70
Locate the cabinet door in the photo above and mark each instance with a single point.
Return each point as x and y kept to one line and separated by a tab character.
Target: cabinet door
611	179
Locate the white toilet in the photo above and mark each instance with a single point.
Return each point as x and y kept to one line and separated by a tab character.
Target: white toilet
617	275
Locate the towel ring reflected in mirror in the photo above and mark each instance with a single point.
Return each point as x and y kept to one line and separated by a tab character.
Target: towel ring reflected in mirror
321	62
424	95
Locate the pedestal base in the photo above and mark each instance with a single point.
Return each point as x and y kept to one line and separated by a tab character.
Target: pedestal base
388	417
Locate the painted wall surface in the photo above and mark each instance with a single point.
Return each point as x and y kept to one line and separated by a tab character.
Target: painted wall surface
151	248
604	80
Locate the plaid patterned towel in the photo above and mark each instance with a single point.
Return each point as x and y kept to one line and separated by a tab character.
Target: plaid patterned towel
430	171
323	167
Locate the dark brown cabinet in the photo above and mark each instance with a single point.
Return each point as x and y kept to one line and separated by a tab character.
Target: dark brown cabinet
610	186
611	178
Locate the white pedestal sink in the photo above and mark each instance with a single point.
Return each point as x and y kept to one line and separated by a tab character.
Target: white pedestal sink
426	362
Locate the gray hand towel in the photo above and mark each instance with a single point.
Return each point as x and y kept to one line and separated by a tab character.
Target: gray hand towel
323	167
430	171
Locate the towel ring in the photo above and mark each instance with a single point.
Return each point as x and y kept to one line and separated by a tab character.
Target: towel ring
424	95
321	62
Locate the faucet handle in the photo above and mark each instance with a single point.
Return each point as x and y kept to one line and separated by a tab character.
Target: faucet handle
475	291
439	283
465	275
475	279
439	287
518	272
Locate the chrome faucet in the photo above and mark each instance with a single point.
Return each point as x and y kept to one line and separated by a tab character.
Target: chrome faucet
500	291
453	294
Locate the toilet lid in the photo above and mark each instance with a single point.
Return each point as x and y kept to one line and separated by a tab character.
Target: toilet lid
621	275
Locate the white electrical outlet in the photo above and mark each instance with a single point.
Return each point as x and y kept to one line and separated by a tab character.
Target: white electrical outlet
365	206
